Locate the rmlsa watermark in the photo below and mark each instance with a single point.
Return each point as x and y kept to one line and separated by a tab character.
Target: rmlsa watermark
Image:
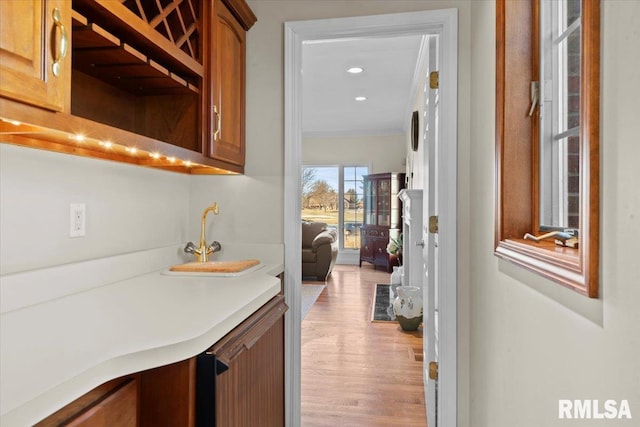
593	409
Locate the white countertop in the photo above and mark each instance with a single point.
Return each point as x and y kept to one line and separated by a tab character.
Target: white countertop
54	351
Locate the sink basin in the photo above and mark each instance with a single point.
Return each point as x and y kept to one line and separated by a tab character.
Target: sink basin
215	268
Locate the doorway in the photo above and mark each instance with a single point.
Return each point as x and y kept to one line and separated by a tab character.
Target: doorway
440	23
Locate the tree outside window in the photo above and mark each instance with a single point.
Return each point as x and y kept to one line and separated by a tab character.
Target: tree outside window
334	195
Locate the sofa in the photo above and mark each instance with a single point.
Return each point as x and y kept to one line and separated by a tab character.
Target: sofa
319	250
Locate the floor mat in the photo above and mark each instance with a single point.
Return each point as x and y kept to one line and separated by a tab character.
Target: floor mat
382	310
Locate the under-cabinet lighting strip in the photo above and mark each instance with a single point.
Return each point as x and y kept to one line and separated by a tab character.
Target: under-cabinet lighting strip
133	151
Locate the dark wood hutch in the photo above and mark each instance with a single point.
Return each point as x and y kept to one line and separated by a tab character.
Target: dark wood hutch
382	218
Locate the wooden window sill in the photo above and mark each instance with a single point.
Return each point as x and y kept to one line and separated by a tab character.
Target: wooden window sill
558	263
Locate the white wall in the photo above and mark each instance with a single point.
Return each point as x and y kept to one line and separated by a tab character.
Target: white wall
129	208
381	153
532	341
250	208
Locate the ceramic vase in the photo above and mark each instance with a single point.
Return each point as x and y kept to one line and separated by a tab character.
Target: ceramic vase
395	276
408	307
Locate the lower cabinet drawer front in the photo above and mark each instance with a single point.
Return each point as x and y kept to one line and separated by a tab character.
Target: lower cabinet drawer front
114	403
372	232
380	247
120	408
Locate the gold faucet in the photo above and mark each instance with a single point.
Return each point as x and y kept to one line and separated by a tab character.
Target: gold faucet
203	251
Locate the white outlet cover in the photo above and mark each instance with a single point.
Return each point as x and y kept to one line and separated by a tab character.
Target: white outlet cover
77	219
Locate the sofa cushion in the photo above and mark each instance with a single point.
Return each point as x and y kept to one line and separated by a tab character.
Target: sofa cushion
310	230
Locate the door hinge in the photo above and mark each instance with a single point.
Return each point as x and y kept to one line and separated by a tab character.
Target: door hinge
433	371
433	224
434	80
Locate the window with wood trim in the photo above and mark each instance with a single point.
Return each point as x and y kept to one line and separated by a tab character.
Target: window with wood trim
547	138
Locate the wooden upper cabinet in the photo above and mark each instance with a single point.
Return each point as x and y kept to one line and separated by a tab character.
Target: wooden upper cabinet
152	83
227	77
32	38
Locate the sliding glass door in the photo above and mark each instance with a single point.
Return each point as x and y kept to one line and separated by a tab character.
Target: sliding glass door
335	194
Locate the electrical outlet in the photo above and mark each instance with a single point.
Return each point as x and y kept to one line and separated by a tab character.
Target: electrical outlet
77	219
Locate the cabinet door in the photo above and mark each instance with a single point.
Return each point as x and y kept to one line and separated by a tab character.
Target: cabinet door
251	391
34	37
380	250
228	87
384	199
366	246
370	202
167	395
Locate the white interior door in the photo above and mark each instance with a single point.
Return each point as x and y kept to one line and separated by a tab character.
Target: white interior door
430	253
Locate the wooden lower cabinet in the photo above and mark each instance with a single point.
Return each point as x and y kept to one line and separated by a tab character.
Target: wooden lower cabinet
111	404
167	395
373	247
237	382
249	382
117	409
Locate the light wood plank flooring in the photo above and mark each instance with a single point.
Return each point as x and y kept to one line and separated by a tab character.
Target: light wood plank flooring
356	372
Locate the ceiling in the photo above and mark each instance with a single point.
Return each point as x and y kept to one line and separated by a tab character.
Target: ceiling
389	81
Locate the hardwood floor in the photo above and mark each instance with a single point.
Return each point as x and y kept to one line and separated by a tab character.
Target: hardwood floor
356	372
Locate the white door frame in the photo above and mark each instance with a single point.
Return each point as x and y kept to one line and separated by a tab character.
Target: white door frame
444	23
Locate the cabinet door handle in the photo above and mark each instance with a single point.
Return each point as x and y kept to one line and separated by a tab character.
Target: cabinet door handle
535	90
60	51
218	119
221	367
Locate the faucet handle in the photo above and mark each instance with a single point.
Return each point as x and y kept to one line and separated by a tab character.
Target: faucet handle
191	248
214	247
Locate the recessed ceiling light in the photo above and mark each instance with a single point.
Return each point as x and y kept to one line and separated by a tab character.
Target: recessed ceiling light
361	98
355	70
